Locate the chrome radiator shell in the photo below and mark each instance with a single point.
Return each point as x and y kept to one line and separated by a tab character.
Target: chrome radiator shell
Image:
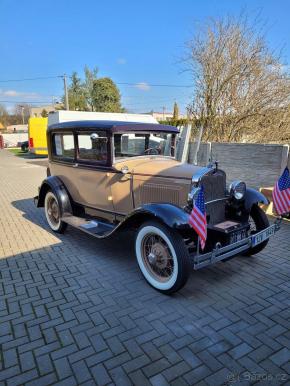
214	184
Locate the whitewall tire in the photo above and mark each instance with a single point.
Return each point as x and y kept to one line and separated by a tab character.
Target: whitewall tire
52	213
162	257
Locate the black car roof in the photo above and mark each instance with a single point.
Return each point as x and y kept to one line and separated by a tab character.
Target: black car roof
113	126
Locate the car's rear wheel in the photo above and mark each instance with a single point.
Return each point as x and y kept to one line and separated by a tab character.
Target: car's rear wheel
52	213
258	221
162	257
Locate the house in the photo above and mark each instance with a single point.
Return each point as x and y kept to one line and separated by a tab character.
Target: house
37	111
162	116
17	129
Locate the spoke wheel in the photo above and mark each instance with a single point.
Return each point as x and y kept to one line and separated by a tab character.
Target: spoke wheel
157	257
253	226
52	213
258	221
162	257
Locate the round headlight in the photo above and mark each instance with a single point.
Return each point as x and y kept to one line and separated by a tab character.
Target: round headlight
238	190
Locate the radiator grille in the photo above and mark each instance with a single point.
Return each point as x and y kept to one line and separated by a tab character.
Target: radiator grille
159	193
214	188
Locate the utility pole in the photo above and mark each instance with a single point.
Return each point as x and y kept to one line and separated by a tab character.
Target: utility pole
66	105
22	113
163	108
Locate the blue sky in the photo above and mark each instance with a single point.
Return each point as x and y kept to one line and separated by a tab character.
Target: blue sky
129	41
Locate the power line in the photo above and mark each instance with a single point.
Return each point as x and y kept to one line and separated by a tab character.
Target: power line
140	84
24	79
26	102
137	84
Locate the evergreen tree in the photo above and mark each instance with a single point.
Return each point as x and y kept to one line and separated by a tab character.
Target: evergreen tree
90	77
76	94
175	112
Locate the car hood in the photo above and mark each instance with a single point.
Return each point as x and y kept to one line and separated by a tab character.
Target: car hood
158	166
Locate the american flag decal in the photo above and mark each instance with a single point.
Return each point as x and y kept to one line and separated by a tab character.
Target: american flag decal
197	218
281	193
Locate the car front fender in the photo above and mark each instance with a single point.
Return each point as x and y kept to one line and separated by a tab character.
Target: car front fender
254	197
168	214
55	185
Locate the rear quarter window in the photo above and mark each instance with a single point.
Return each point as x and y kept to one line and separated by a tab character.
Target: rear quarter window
63	146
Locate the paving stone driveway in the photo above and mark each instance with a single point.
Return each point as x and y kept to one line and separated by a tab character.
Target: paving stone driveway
76	311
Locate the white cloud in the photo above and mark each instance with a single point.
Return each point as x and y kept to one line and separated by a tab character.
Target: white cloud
14	93
143	86
121	61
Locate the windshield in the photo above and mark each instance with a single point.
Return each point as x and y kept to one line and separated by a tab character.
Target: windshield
132	145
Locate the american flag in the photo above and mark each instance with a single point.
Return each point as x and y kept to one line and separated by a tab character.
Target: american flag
281	193
197	218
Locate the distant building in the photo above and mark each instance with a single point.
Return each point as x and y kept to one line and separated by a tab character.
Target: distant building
37	111
17	129
162	116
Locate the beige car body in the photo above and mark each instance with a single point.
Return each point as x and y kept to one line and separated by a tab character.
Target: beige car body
110	193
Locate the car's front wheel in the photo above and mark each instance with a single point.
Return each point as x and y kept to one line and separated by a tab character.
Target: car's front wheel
258	222
162	257
52	213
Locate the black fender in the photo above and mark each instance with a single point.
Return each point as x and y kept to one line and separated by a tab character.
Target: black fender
171	215
58	188
254	197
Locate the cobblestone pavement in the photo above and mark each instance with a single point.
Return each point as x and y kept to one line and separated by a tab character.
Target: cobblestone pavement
76	311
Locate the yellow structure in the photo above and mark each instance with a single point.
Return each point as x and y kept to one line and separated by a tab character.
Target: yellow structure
37	141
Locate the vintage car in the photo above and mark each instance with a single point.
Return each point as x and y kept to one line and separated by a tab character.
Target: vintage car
105	176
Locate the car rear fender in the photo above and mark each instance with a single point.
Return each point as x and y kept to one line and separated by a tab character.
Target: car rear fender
254	197
55	185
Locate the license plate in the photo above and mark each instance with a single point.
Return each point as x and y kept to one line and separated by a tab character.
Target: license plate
238	236
262	236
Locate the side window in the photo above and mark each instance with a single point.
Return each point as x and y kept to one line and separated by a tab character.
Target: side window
93	146
63	146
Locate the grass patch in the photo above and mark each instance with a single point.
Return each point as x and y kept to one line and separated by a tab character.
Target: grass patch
24	154
17	151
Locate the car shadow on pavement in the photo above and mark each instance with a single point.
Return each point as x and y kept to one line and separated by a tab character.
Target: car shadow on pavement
119	249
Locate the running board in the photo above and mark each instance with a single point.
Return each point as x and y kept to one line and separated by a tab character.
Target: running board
92	227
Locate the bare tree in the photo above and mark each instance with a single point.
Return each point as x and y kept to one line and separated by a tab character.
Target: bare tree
239	84
22	112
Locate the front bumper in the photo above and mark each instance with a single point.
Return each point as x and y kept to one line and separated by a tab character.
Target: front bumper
221	253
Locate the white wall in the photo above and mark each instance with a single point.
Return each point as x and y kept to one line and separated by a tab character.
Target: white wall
11	140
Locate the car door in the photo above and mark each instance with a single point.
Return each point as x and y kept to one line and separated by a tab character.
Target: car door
121	187
62	162
91	173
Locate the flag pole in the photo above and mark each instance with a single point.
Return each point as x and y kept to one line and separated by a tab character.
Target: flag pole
197	249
